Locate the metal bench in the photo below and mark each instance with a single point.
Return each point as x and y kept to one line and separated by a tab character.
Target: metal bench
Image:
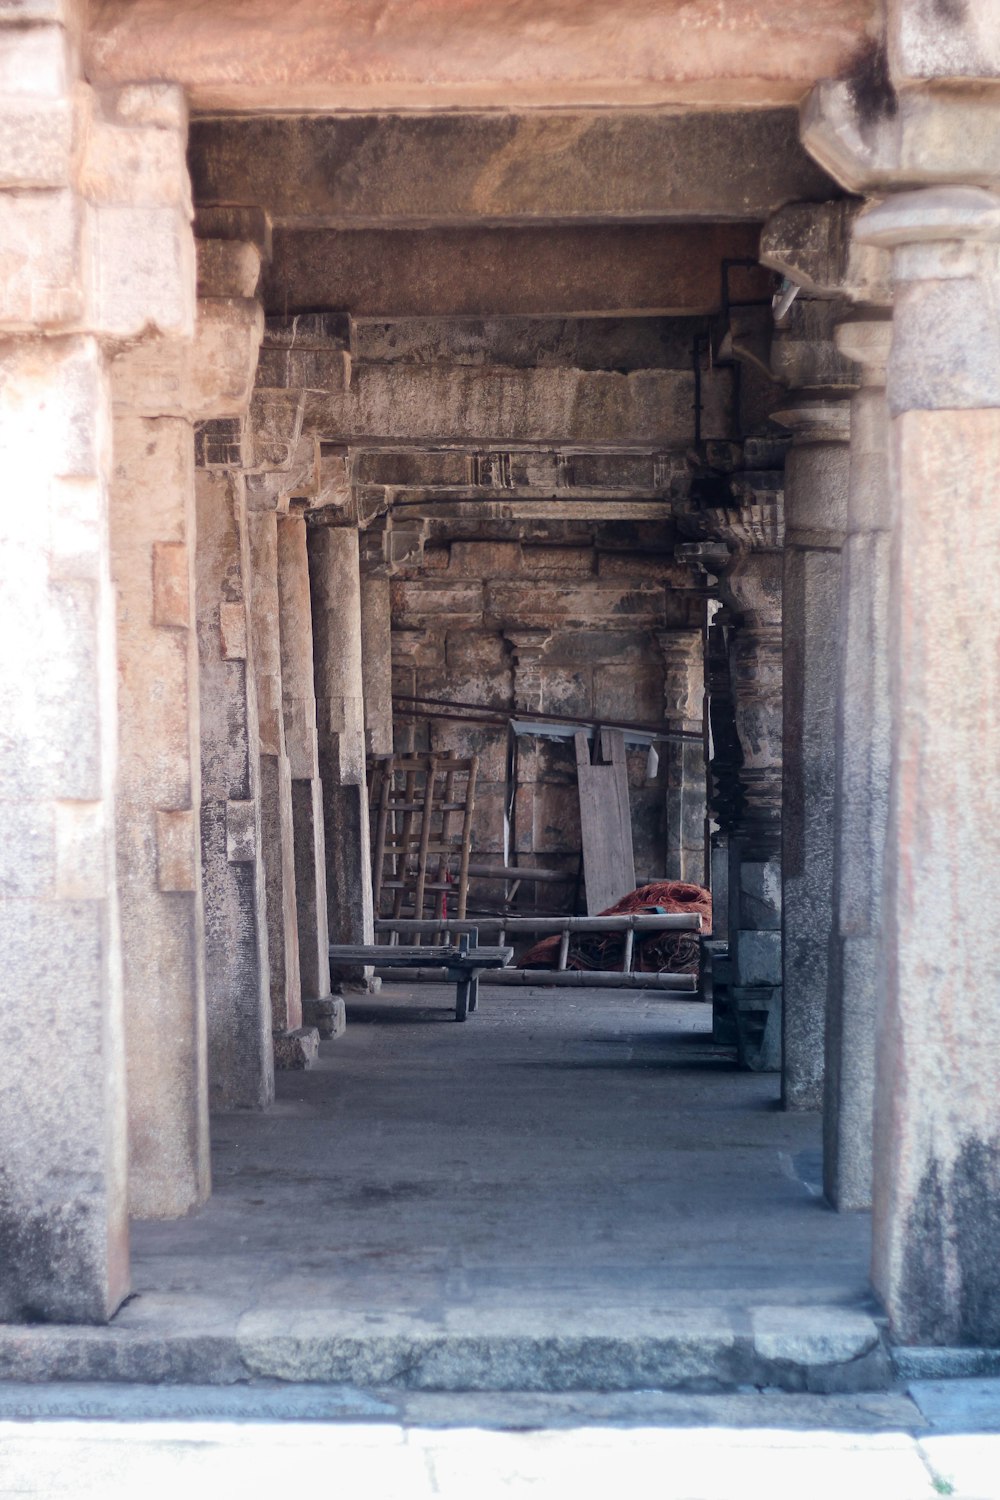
463	963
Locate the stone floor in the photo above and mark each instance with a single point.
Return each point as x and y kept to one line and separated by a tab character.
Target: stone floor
568	1191
113	1443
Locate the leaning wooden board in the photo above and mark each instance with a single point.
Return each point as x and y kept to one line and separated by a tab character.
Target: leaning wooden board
605	821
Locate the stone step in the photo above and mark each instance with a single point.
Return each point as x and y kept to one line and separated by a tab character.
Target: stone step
817	1349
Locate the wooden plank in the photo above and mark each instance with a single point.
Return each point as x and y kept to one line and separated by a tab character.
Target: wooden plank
605	824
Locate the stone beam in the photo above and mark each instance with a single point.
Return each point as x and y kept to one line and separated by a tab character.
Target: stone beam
460	405
367	171
656	270
524	473
360	54
524	343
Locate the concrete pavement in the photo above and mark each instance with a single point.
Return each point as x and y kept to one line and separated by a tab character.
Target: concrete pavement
254	1442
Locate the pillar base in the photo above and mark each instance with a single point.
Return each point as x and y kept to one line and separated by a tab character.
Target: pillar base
294	1051
328	1015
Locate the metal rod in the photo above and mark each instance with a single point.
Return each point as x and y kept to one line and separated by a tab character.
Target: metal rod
619	922
681	984
550	718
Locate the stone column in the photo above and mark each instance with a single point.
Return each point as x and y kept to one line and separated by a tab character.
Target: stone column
298	697
376	662
336	604
683	702
527	649
936	1180
240	1051
275	779
83	179
861	781
816	482
159	792
936	1195
63	1220
752	589
158	394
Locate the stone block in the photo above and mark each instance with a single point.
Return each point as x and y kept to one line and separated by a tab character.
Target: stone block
234	221
582	606
804	354
36	144
41	276
143	274
495	405
211	377
35	60
511	167
294	1051
484	559
136	164
476	651
328	1016
227	268
276	428
314	369
808	1336
450	603
622	692
931	41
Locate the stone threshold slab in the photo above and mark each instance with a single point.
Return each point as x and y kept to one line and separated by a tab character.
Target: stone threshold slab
793	1349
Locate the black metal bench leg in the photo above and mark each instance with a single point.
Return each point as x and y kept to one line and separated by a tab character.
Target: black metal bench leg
474	993
462	999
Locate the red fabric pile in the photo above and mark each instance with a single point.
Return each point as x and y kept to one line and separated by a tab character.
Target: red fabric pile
655	952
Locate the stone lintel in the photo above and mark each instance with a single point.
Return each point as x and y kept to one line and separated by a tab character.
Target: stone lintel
430	403
414	170
661	270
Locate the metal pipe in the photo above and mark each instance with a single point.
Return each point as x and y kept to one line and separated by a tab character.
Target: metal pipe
628	921
679	984
549	718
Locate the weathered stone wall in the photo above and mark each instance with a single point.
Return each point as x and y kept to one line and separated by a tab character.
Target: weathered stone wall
565	623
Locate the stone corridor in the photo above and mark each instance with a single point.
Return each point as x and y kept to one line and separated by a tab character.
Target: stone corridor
436	378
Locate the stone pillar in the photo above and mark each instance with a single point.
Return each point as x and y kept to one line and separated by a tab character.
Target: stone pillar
816	482
752	589
861	782
240	1052
63	1221
683	702
275	779
158	801
336	604
936	1180
936	1192
158	394
527	649
84	178
376	662
299	709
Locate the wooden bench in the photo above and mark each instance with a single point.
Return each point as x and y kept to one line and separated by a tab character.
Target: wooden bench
463	963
